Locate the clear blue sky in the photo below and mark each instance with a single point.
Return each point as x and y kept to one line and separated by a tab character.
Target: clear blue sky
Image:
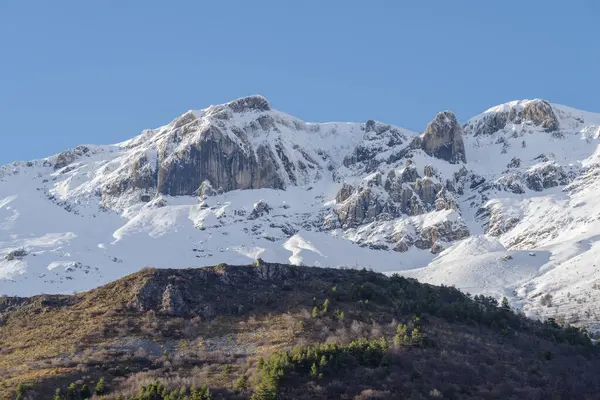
74	72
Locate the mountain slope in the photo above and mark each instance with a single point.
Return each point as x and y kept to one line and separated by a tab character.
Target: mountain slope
229	327
504	205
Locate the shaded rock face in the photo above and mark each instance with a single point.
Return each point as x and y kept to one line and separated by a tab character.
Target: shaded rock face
206	190
536	112
146	296
184	120
434	237
490	123
250	103
510	183
261	208
364	206
515	162
409	174
344	193
201	292
495	220
378	139
173	302
18	254
254	103
141	175
220	161
541	114
444	201
396	196
67	157
547	176
443	138
275	272
542	176
407	198
427	190
7	304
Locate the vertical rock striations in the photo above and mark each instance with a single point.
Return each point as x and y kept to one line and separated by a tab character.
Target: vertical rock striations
443	138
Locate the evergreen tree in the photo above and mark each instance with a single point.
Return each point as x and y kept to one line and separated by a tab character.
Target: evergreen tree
240	384
100	387
72	391
314	371
315	312
401	335
416	337
21	389
85	392
323	361
264	392
325	306
505	306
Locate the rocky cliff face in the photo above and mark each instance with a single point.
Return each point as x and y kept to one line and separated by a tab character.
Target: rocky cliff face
240	145
221	161
443	138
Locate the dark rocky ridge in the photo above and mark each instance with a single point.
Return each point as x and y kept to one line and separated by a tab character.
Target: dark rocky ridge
171	324
250	103
222	290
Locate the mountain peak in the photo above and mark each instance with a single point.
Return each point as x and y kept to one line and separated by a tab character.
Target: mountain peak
518	104
536	113
254	102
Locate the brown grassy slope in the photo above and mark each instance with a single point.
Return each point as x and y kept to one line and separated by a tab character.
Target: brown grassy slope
210	325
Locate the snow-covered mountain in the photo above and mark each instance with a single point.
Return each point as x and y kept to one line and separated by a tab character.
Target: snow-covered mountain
504	205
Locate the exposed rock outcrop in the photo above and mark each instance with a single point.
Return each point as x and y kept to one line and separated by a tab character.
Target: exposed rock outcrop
379	138
173	302
541	114
206	190
139	176
221	161
443	138
548	175
67	157
403	192
433	237
364	206
18	254
515	162
535	112
495	221
250	103
344	193
260	208
511	182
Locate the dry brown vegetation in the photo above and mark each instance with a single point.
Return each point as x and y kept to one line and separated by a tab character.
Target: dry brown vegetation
214	326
